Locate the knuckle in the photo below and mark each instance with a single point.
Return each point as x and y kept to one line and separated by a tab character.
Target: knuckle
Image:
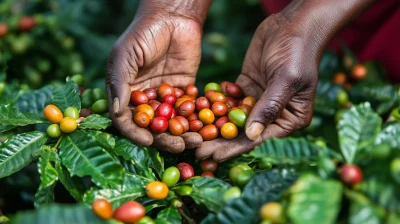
271	109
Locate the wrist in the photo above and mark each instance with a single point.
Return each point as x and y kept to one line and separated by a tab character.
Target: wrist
318	21
192	9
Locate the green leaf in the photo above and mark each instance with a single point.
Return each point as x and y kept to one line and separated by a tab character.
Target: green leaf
74	185
389	136
169	216
48	174
3	219
133	187
325	101
144	158
13	117
362	210
48	177
382	191
115	197
383	98
66	96
208	191
358	129
105	140
134	181
150	204
4	128
60	214
265	187
34	102
286	151
313	200
83	156
19	150
44	196
95	121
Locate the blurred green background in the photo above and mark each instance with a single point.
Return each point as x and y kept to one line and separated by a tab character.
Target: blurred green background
75	36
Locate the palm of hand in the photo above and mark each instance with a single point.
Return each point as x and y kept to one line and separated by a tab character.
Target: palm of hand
151	52
166	51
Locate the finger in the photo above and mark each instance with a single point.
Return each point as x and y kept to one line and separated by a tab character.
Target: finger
235	147
124	123
249	86
292	118
192	140
169	143
122	70
207	148
267	109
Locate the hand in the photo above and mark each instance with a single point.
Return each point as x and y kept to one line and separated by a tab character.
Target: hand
280	70
158	47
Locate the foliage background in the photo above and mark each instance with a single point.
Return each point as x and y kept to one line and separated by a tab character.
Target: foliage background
89	28
96	24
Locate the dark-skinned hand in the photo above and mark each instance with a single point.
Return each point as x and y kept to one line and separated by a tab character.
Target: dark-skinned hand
279	71
158	47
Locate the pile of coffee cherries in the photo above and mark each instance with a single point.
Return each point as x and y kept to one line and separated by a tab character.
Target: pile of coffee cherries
222	110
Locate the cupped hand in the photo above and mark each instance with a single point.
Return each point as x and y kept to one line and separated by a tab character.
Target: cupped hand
280	70
156	48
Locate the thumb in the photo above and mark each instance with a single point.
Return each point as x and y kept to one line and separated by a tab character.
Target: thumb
267	109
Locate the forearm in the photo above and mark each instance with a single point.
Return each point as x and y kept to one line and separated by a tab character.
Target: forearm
194	9
319	20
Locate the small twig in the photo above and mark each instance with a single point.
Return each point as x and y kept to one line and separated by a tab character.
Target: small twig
58	142
80	120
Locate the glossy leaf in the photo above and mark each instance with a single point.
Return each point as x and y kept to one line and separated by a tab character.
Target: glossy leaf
44	195
19	150
133	187
144	158
34	102
286	151
83	156
313	200
74	185
265	187
48	177
169	216
95	121
150	204
114	196
60	214
389	136
13	117
104	139
4	128
358	129
382	98
66	96
208	191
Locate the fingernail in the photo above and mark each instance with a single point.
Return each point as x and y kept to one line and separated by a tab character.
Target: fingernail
116	105
254	130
